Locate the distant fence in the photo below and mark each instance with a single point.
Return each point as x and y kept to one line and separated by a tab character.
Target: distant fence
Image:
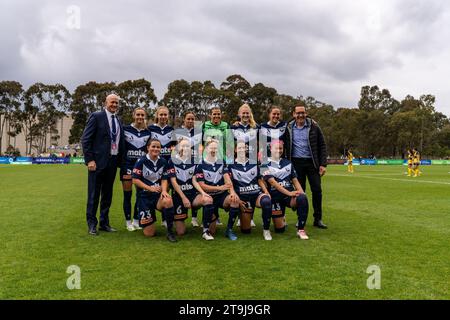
80	160
373	162
40	160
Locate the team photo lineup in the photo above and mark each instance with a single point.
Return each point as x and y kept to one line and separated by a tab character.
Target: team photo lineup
224	159
204	166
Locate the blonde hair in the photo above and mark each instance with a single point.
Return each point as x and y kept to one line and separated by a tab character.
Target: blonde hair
145	111
252	120
157	112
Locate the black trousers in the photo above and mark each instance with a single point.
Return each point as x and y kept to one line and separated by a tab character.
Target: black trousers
305	169
100	182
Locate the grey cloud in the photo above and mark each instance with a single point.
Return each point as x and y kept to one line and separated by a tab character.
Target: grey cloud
299	47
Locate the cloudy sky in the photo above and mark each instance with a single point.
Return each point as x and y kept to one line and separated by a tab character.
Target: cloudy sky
322	48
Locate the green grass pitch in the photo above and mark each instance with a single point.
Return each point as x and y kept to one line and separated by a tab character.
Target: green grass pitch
377	216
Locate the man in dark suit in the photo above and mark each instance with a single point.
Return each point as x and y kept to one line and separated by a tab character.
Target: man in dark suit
103	147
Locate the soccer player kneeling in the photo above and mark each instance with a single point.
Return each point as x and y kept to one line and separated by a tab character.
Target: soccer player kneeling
211	175
251	189
187	193
150	178
285	190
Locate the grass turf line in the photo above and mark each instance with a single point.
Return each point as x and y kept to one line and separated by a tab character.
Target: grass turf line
401	225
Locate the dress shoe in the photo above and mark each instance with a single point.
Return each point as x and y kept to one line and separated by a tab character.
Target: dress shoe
107	229
319	224
93	231
171	237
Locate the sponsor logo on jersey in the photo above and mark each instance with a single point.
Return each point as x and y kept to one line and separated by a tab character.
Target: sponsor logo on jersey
284	184
166	150
135	153
249	189
186	187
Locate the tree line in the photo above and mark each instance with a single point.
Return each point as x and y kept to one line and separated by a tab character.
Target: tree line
380	125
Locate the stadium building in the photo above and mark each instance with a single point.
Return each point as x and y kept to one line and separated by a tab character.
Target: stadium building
52	145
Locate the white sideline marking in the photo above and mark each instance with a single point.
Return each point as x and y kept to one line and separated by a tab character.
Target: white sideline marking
404	180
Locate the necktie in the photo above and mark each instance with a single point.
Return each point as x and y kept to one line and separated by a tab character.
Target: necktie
113	129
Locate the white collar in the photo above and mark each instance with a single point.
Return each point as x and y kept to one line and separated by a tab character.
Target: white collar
274	161
268	123
110	113
241	163
181	160
162	128
211	163
154	162
137	128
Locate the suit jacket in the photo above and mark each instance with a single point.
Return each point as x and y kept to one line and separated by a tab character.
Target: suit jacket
96	140
316	142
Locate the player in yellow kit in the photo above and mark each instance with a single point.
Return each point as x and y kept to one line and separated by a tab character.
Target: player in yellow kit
416	162
410	162
350	161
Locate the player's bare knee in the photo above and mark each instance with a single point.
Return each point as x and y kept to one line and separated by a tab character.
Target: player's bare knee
149	232
167	203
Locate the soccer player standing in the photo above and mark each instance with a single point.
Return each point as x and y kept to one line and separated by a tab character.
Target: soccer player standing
274	129
136	136
189	130
219	130
416	162
162	131
350	161
410	162
246	130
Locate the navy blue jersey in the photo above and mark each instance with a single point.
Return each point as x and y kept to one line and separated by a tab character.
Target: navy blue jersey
183	172
248	135
282	171
245	178
211	174
194	136
149	172
164	135
135	144
268	133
